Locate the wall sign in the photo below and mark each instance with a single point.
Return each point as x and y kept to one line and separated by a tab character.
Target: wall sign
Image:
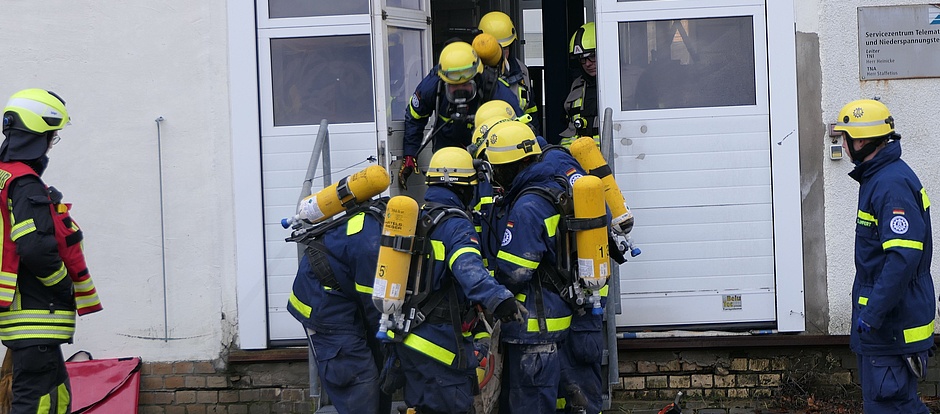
896	42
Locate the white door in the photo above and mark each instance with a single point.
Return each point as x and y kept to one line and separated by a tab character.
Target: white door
689	85
322	60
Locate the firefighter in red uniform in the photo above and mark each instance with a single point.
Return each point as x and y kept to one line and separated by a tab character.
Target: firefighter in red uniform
43	279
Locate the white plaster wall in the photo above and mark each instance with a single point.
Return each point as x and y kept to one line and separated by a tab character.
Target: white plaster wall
913	102
120	65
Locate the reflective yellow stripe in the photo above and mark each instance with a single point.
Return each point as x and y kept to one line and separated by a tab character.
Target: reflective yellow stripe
863	301
528	264
63	400
459	252
910	244
22	229
327	288
560	404
414	114
919	333
437	247
354	225
867	217
44	405
478	229
55	277
553	324
481	335
37	324
364	289
551	225
532	110
604	290
521	297
923	198
429	348
301	307
483	200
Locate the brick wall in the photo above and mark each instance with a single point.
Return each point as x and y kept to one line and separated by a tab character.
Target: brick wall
212	388
790	377
768	376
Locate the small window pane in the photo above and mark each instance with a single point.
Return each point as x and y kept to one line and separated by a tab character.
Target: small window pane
405	4
689	63
405	68
308	8
328	77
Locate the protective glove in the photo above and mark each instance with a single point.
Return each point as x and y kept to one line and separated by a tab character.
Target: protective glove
862	326
481	349
510	310
408	167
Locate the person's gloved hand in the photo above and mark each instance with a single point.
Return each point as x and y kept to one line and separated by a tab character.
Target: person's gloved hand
408	167
862	326
481	349
510	310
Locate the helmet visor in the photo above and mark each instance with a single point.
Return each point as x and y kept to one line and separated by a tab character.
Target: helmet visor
459	75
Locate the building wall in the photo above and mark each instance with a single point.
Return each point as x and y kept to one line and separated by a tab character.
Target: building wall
913	103
119	66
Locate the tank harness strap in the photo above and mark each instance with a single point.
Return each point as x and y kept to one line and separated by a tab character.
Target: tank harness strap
601	172
317	252
540	307
404	244
581	224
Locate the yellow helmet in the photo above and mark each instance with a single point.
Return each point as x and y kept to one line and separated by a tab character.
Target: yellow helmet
494	108
488	49
35	110
458	63
510	141
500	26
451	165
865	118
584	41
480	134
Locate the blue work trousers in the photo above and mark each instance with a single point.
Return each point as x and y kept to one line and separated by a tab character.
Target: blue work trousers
581	383
347	370
530	378
888	386
434	388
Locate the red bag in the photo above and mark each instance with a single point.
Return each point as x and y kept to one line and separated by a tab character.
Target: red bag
105	385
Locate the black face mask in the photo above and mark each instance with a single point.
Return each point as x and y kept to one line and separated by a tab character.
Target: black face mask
858	156
464	193
504	174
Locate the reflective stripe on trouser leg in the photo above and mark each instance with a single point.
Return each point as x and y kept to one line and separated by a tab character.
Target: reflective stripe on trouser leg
40	381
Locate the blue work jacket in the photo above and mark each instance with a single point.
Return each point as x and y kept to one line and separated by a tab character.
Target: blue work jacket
353	250
455	254
893	290
449	134
529	227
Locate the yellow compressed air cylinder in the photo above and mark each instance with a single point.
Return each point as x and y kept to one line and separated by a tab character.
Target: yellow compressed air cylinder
589	156
394	261
593	249
357	188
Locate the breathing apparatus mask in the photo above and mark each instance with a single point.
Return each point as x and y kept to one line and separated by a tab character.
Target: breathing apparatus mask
459	97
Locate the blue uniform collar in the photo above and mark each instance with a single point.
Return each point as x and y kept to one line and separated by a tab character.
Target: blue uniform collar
891	152
442	195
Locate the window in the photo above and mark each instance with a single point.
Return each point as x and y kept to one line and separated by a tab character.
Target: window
306	8
322	77
405	67
689	63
